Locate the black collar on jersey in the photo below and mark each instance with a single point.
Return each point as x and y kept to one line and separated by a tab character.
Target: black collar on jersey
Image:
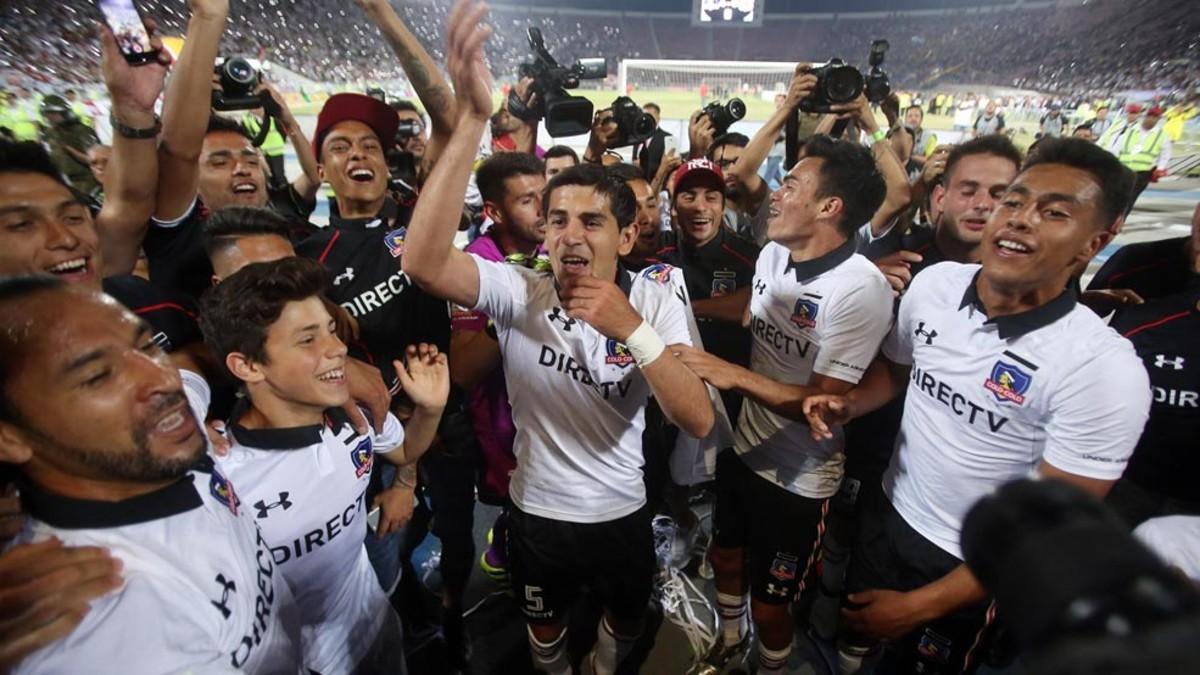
1016	325
387	214
67	513
291	438
811	268
709	248
624	279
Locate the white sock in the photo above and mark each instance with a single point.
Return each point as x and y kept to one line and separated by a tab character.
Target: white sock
550	658
772	660
610	650
734	623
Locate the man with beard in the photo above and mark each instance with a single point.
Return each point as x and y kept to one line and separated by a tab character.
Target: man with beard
651	237
511	184
201	591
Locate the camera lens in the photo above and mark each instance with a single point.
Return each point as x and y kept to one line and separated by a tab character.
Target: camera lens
239	70
737	109
843	84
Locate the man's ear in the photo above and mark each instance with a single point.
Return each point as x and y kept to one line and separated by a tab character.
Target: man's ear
244	369
627	238
1095	244
14	447
938	196
321	173
493	212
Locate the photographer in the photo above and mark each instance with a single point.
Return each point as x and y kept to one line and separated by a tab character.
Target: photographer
208	162
559	158
649	154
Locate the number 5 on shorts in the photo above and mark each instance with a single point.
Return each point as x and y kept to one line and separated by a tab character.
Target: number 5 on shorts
533	601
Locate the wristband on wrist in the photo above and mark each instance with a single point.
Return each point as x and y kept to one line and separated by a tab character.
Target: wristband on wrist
879	135
645	345
133	132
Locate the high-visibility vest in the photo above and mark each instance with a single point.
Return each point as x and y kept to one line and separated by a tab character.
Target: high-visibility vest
274	144
1145	155
21	122
82	113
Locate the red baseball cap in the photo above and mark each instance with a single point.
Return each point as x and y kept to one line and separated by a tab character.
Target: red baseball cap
1133	108
360	108
1154	111
699	172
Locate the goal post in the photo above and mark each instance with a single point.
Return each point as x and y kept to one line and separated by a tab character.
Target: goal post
757	80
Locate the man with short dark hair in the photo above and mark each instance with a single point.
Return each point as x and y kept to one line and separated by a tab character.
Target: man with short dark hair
130	473
511	185
1006	374
583	336
924	141
651	237
817	314
988	122
559	158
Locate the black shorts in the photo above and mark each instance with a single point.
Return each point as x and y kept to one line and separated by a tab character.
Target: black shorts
551	559
889	554
780	530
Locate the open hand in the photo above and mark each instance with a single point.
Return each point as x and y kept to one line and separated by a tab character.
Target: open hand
466	37
424	376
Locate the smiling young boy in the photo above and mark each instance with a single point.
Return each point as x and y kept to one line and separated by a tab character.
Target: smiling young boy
303	469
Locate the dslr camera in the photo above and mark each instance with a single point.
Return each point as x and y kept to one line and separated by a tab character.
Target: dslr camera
722	116
565	115
238	79
633	124
839	83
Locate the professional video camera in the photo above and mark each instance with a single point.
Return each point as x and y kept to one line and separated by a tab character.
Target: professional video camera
839	83
722	116
634	125
565	115
1076	591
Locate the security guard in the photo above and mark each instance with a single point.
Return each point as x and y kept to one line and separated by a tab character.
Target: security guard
272	146
17	118
1146	150
69	140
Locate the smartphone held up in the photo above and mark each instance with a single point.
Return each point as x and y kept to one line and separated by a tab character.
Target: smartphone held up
126	24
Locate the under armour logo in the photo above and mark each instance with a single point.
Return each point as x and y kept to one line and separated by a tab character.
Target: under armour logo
927	334
1161	361
348	275
760	286
558	315
227	588
264	509
772	589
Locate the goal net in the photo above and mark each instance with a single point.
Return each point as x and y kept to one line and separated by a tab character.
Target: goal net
711	80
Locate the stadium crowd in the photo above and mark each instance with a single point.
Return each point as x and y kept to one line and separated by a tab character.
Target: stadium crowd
224	431
1091	49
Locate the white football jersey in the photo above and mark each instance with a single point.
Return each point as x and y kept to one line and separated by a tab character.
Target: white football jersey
825	316
989	399
578	399
202	593
306	488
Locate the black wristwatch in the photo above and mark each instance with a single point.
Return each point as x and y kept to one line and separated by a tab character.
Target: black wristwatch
136	134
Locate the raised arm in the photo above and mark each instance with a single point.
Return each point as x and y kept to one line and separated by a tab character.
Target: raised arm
430	257
186	109
899	194
756	151
309	181
432	89
133	170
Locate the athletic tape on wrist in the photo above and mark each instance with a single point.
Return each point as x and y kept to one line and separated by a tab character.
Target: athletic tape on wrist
645	345
879	135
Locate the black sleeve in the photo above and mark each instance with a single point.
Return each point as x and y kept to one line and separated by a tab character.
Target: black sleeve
1112	267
